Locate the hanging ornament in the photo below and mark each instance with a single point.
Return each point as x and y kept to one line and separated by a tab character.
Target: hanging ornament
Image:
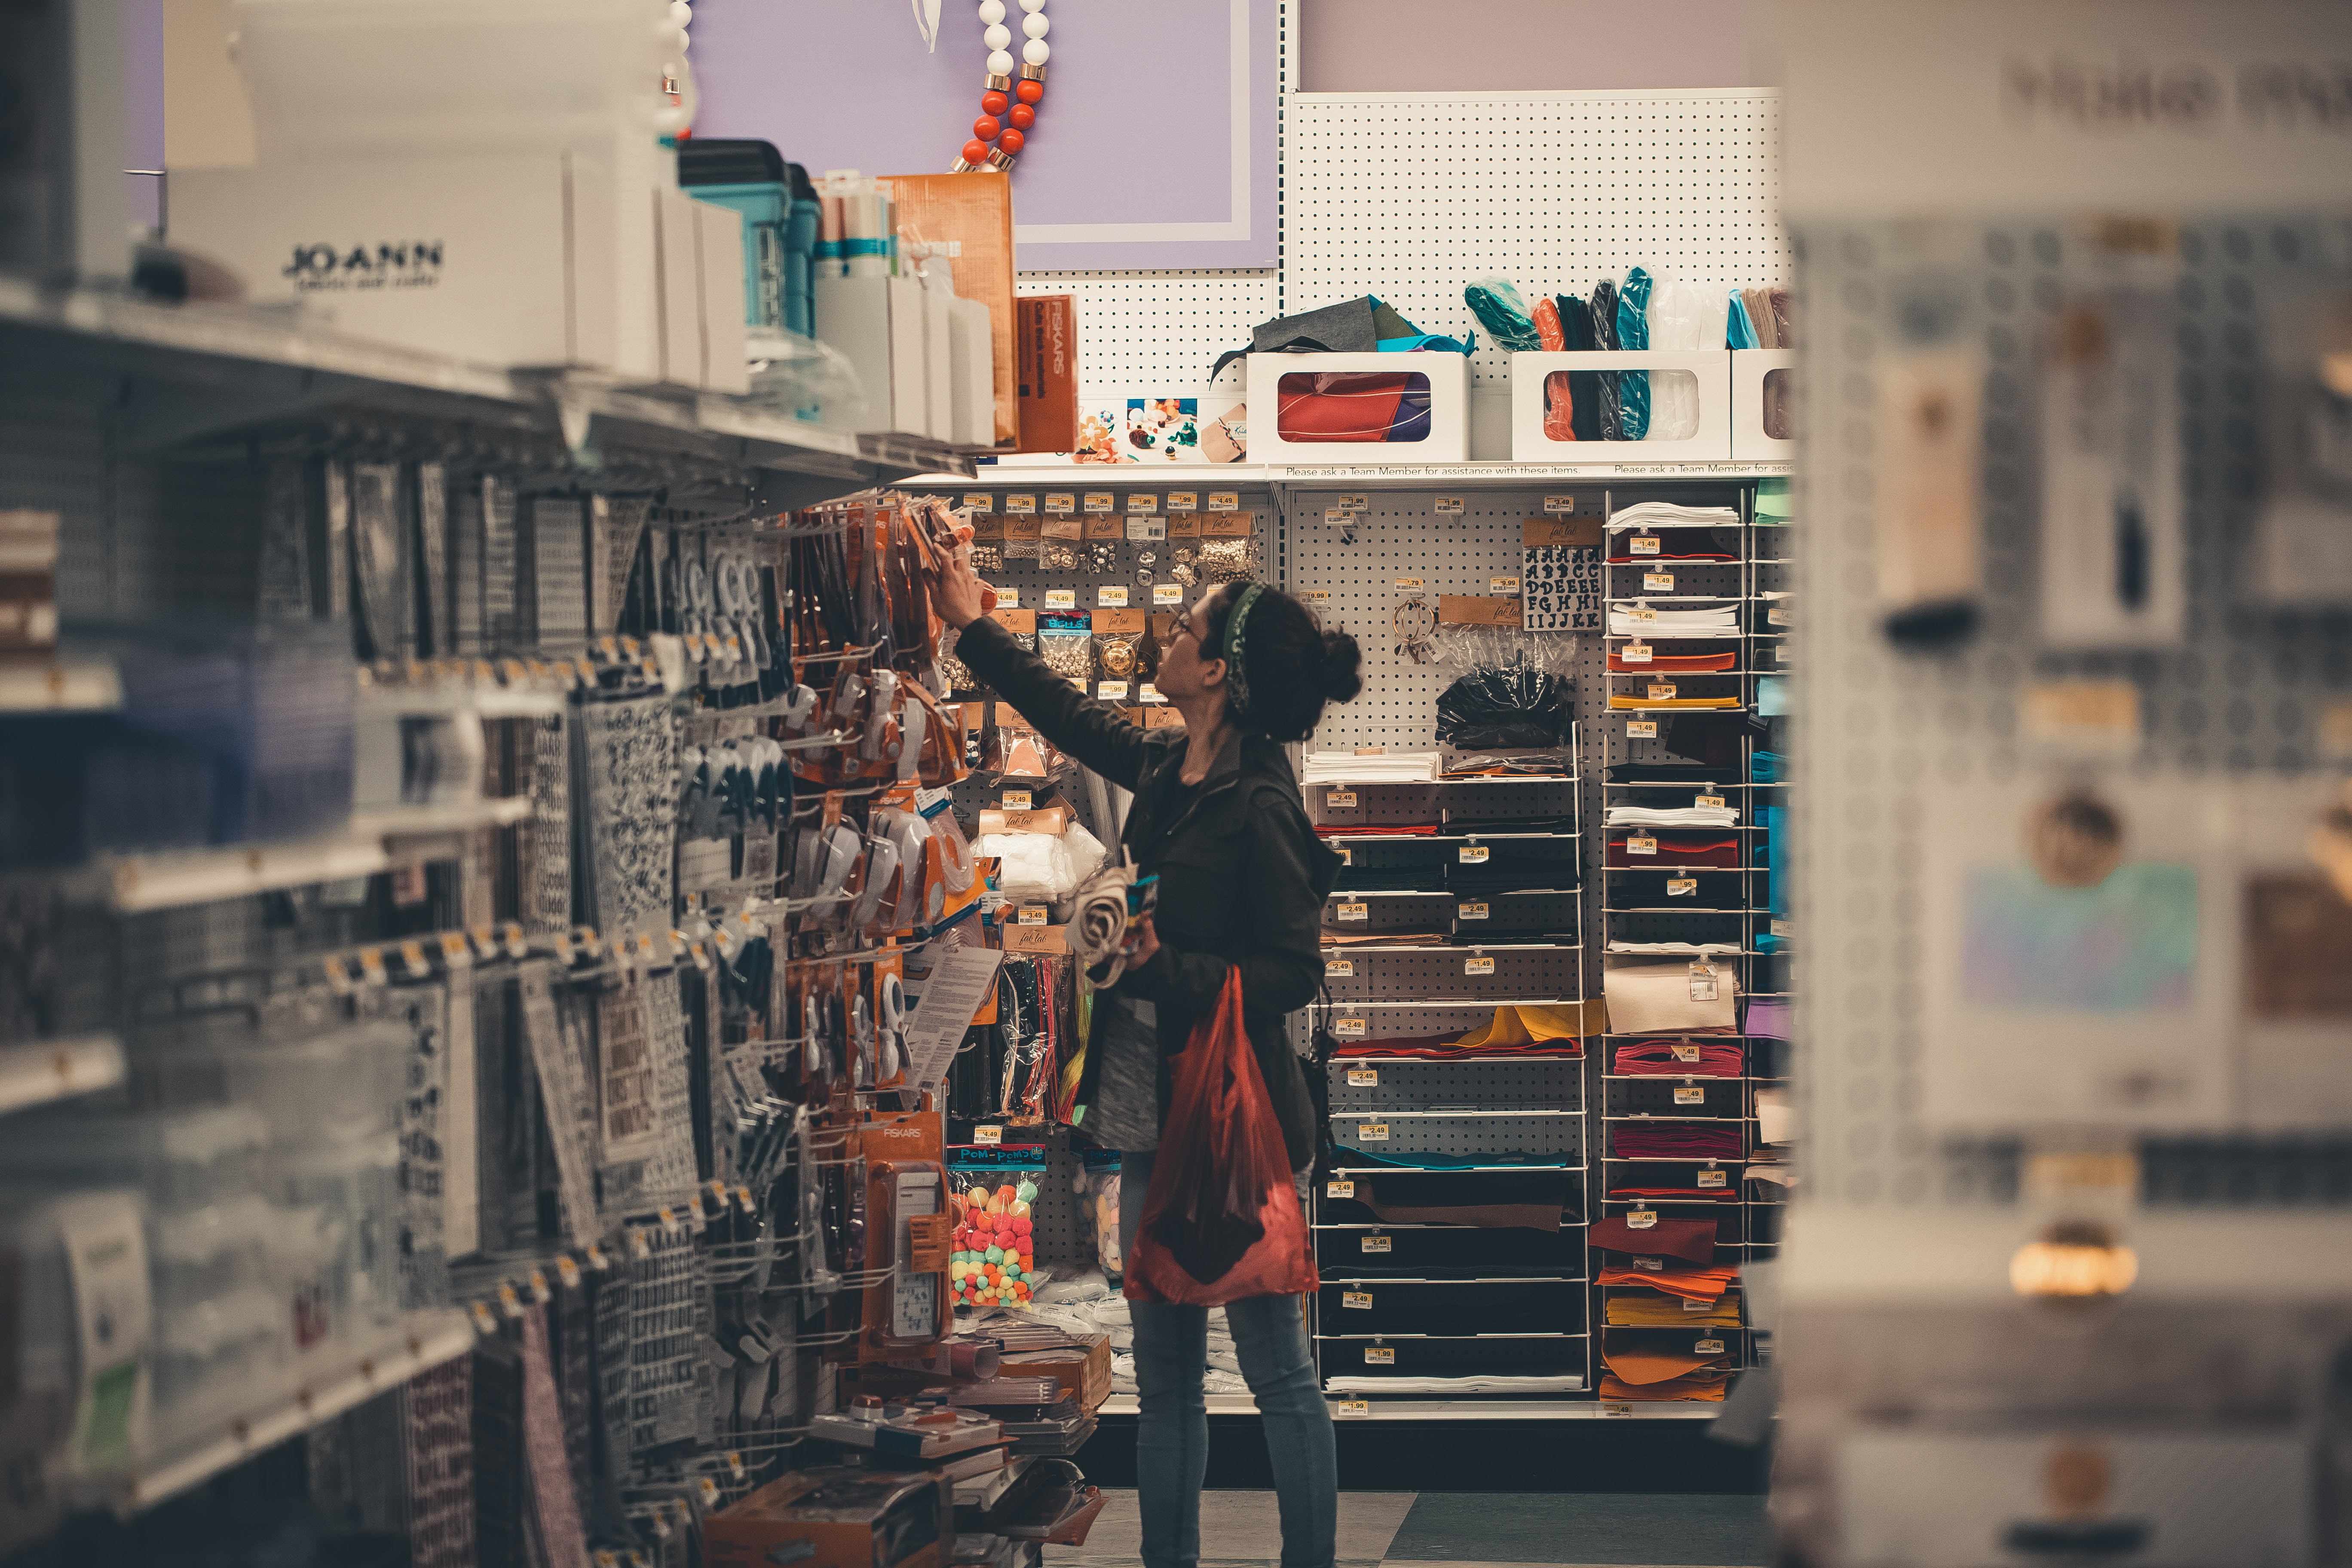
1008	109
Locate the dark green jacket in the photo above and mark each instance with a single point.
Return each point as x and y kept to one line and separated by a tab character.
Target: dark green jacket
1242	876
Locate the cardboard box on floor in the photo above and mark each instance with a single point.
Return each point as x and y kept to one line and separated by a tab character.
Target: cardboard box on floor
848	1517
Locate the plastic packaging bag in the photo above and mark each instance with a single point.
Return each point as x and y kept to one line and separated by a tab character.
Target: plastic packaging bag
1633	334
1516	692
1096	1189
1222	1220
1496	301
799	377
994	1262
1681	316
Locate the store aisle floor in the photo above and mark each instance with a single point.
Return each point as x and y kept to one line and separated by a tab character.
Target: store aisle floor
1463	1529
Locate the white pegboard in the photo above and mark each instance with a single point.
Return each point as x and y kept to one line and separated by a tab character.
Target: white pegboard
1410	196
1159	332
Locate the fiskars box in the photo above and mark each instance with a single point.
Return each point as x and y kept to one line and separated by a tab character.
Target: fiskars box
847	1517
1046	353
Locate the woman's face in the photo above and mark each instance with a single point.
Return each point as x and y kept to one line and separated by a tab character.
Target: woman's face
1184	669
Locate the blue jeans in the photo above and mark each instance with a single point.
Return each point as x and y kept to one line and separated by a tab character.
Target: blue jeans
1171	1434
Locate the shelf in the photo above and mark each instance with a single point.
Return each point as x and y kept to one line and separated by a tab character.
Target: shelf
44	1070
1467	1057
1430	837
1433	782
1505	1407
1445	1170
1469	1003
1219	1405
137	883
398	823
430	1339
67	685
205	370
1023	470
1456	947
1437	1113
1538	1334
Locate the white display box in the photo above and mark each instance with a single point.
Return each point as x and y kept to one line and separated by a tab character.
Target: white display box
726	359
1709	441
1749	369
500	259
1449	415
938	363
974	374
877	323
677	276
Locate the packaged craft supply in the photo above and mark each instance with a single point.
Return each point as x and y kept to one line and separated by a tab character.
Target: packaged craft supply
1118	644
1228	547
993	1262
1065	642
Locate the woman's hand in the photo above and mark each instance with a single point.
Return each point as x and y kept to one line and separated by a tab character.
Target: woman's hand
963	598
1142	942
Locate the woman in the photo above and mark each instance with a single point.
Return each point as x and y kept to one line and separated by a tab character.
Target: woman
1241	882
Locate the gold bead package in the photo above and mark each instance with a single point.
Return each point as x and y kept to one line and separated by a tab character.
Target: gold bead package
1122	648
1065	642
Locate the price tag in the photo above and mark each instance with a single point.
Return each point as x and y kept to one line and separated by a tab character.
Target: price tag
1691	1094
1698	1306
1710	802
1014	800
1684	1053
1371	1131
1138	502
1111	690
1643	617
1020	506
569	1272
1347	855
339	975
1337	514
979	500
1356	502
990	1134
1363	1077
454	953
1146	692
1713	1179
1168	592
1657	581
1707	1347
1380	1243
1061	598
1380	1356
1703	984
483	1323
1061	503
1008	598
1784	928
1356	1300
1502	584
1225	501
1077	682
1338	1189
1611	1408
1338	969
1640	1219
1661	691
1641	729
1354	1407
640	1246
1111	595
1555	506
1474	854
1184	500
1640	844
1101	501
371	966
1355	911
1340	799
1776	616
1349	1028
1477	966
1032	915
1408	582
516	944
1681	887
1646	544
1447	506
1654	1265
1470	912
1780	653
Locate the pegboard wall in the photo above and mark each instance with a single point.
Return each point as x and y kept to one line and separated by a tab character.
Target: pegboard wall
1410	196
1159	331
2242	694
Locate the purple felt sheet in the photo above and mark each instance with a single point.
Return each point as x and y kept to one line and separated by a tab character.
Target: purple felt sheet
1154	147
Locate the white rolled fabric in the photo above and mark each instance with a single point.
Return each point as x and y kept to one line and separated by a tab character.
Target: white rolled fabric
1097	930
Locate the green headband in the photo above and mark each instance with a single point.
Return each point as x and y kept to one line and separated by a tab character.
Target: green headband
1236	668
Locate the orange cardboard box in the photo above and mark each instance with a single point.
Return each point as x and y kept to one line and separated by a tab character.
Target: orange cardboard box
1046	356
849	1518
973	213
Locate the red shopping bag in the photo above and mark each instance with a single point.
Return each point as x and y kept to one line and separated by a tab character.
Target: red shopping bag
1221	1220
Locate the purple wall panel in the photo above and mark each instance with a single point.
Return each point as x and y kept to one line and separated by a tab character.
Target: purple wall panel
1154	145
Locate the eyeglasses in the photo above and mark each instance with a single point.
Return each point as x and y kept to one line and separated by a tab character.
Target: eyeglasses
1184	626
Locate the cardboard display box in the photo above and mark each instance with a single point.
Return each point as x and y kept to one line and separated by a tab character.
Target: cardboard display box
848	1517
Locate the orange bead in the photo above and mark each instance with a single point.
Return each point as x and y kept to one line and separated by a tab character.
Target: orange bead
986	128
1029	92
975	151
993	101
1022	117
1012	141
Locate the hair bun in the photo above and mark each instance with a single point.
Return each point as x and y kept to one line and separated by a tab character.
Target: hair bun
1342	668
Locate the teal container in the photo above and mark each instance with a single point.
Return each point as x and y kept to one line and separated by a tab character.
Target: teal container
768	217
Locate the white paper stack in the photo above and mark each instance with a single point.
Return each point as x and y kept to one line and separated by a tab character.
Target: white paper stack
1568	1383
1640	621
1387	767
1679	949
1651	514
1673	817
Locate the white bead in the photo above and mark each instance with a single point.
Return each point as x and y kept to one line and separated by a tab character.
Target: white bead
681	14
1035	24
1035	51
1000	63
998	37
991	12
1033	5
